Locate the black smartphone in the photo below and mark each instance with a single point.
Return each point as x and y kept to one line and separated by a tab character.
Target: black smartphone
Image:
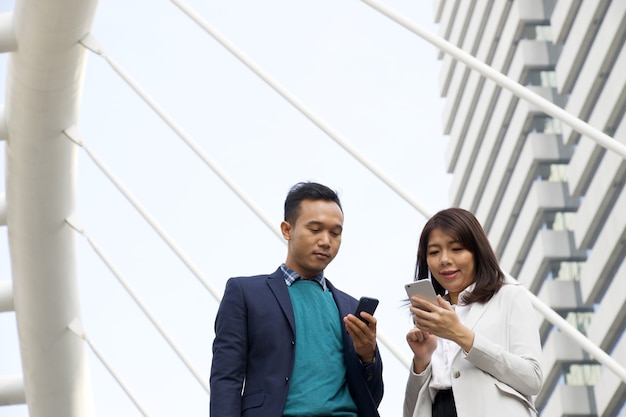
366	304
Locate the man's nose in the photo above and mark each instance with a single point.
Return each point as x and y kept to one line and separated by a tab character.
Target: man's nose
324	239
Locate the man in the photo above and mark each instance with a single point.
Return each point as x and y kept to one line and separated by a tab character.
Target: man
287	344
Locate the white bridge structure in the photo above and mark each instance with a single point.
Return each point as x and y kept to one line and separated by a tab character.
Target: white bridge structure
47	44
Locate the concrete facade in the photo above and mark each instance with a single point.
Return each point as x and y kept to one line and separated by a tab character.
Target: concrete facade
552	201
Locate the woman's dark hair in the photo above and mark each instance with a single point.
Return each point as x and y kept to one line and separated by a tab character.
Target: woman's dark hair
306	191
465	228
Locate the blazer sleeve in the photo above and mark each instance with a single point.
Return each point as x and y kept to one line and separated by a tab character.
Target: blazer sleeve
516	363
374	377
414	385
229	353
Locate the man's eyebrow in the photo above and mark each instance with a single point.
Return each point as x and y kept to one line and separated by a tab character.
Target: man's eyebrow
319	223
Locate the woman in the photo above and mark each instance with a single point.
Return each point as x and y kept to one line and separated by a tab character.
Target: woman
477	352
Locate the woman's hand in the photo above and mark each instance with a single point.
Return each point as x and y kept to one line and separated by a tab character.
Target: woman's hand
423	345
442	321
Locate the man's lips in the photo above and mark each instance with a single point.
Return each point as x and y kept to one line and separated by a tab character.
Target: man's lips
321	255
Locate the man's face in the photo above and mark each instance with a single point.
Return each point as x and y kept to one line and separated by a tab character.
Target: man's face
314	240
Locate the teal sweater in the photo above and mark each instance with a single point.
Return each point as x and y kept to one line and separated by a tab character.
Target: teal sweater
318	384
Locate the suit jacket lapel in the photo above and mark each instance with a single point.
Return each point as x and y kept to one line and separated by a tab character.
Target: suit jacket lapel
340	301
277	285
474	314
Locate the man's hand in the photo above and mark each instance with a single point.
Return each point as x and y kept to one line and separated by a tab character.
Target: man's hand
363	335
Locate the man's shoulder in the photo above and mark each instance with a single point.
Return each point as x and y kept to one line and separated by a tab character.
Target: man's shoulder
255	279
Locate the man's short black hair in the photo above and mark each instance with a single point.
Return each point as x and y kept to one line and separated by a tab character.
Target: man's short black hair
307	191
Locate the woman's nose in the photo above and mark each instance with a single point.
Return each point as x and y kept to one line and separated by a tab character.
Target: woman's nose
445	259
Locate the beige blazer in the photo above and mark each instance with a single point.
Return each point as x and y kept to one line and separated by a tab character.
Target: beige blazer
501	372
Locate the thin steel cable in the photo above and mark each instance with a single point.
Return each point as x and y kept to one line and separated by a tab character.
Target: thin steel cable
302	108
74	136
77	329
129	289
90	43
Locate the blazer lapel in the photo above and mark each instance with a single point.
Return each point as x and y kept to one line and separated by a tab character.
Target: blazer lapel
475	313
277	285
340	300
473	316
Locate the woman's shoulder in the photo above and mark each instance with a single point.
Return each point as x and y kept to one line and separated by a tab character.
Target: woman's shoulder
512	286
512	290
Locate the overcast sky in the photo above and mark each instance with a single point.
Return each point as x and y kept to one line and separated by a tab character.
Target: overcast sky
371	80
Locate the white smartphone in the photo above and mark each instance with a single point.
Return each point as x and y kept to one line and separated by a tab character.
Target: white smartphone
423	288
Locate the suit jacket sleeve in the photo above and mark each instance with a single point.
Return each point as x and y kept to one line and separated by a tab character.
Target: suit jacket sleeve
414	385
229	353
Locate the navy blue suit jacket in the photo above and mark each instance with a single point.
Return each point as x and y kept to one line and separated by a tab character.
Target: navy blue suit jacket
254	351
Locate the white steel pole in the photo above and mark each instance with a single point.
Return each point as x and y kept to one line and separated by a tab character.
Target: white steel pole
44	82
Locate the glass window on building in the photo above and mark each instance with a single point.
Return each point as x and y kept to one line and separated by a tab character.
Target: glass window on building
559	220
583	374
565	270
545	124
541	78
580	320
537	32
558	173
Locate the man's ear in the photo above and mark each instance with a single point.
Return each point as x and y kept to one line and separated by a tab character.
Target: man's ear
285	228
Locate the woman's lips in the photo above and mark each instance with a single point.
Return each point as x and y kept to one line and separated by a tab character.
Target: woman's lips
449	274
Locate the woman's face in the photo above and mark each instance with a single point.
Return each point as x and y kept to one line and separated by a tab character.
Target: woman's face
451	264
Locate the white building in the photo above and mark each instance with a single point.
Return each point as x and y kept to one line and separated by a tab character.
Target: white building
552	202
